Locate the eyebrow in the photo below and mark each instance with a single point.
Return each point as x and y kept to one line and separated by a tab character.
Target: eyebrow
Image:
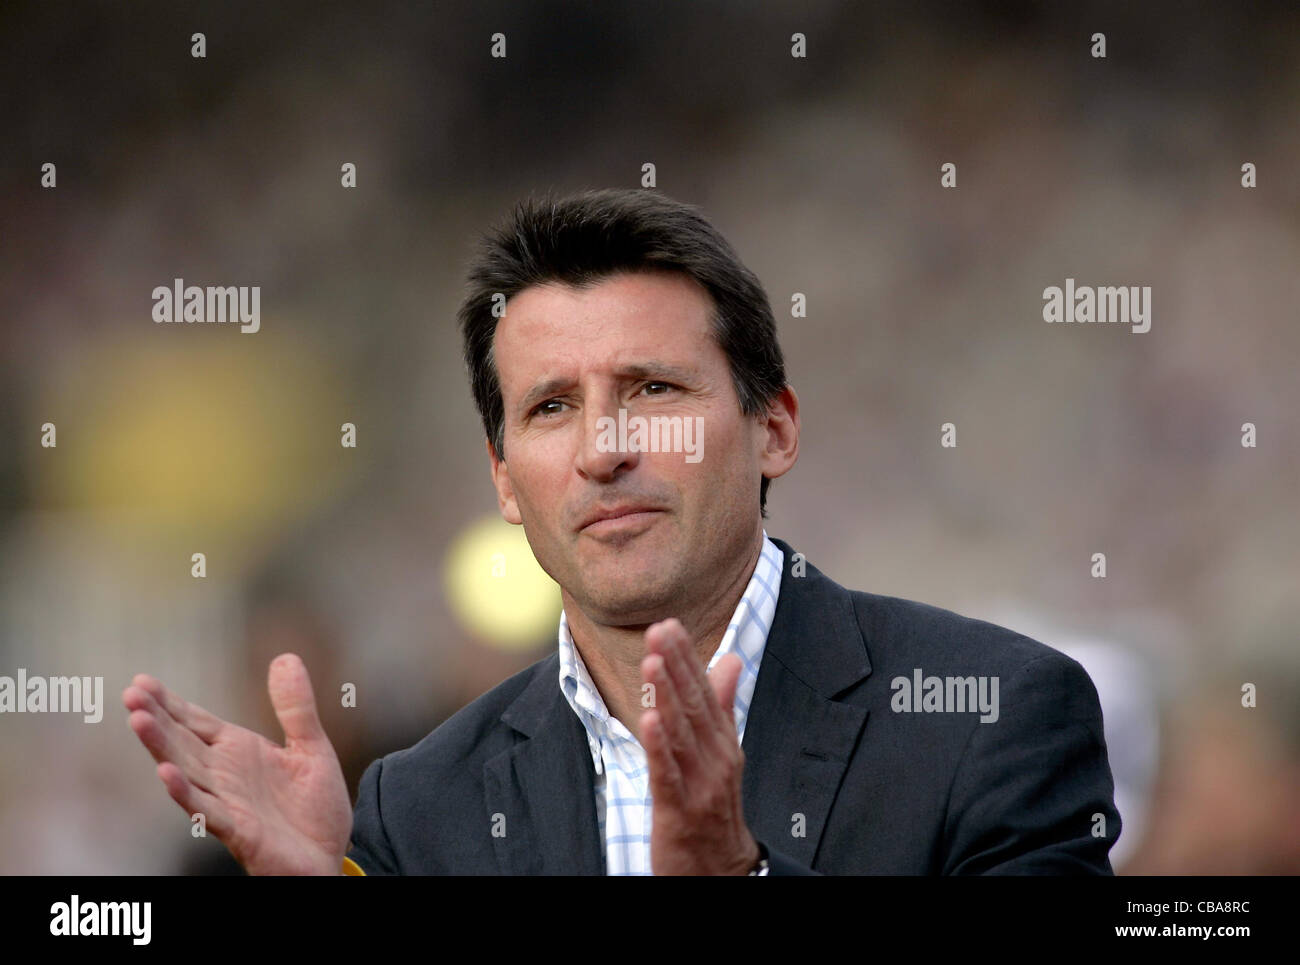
652	369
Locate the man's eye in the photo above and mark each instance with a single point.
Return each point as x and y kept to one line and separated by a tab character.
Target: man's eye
664	385
543	410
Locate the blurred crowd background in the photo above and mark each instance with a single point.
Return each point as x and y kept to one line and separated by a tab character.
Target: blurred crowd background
924	307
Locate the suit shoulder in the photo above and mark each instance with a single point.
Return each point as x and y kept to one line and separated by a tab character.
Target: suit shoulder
898	630
476	730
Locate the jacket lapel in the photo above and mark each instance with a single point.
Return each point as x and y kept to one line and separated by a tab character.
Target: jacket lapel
544	786
799	739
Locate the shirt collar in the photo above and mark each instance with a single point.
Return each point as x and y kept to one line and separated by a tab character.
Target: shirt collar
746	636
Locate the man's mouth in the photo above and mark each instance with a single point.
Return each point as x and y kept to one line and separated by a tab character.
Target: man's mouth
620	521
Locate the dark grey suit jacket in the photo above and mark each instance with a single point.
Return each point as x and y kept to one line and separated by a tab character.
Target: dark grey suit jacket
839	778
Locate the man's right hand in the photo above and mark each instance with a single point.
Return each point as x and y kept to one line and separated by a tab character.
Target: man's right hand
280	810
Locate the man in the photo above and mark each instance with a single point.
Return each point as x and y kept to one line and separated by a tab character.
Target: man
879	735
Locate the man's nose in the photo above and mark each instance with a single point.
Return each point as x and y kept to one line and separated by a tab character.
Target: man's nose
603	449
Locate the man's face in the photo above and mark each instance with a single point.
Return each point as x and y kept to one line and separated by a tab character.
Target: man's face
565	359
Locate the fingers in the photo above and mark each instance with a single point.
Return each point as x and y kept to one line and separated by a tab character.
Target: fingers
667	784
694	757
698	701
722	712
204	724
293	700
166	740
723	679
695	711
195	800
679	736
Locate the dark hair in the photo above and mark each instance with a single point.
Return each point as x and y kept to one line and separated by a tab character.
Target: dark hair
583	238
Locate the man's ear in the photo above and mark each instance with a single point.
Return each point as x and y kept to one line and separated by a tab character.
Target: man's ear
505	492
779	428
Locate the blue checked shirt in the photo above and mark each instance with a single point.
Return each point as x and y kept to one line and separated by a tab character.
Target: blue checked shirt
623	805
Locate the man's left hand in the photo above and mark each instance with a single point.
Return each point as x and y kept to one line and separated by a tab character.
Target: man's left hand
695	760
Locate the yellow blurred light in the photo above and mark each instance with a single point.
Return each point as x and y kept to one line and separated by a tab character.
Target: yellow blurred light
217	437
496	588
